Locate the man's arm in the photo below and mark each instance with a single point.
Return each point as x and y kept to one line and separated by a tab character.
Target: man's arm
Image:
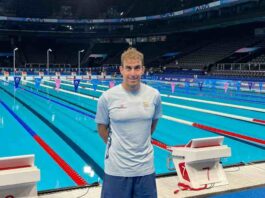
102	118
103	132
153	126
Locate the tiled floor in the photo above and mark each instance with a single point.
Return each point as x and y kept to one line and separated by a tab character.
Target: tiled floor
241	177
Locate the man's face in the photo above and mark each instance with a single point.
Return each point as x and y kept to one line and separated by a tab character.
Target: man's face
132	70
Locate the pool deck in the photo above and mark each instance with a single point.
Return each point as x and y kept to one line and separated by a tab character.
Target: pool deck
239	177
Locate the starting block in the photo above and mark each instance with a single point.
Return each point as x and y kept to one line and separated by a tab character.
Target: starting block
18	177
198	163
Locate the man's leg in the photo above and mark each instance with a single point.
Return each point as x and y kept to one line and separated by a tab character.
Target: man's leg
117	187
145	186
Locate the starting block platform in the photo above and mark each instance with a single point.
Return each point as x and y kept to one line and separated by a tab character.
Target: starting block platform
18	176
198	163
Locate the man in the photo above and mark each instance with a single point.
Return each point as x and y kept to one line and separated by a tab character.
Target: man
127	115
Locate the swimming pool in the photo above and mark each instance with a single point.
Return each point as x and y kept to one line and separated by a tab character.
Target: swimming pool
64	121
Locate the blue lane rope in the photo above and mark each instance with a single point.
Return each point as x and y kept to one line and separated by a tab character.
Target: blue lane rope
61	104
28	129
73	145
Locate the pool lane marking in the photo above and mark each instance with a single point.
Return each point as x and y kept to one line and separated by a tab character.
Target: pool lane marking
212	102
225	97
163	145
59	97
215	130
245	138
61	104
65	138
62	99
243	118
63	90
259	121
215	103
153	141
60	161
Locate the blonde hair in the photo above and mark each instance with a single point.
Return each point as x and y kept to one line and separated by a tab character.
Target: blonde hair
132	53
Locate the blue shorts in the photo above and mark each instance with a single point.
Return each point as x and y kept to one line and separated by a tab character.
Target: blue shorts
129	187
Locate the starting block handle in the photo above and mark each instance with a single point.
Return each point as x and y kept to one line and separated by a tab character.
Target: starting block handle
169	162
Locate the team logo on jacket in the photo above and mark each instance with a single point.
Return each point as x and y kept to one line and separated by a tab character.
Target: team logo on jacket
146	104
